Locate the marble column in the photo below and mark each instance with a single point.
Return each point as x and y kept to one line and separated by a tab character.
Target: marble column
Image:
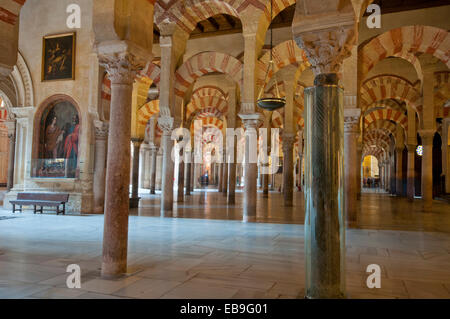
11	126
387	177
358	169
122	68
225	179
324	183
351	164
153	157
180	188
101	137
134	200
146	167
265	181
398	171
427	169
166	124
187	173
220	177
251	123
288	169
446	153
411	172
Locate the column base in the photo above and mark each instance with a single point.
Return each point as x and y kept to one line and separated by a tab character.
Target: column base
134	202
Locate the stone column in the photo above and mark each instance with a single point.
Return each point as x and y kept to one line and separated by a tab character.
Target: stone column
166	124
288	169
387	178
251	123
134	200
180	188
11	126
146	167
358	169
122	67
351	164
101	137
446	153
265	181
326	48
220	177
187	173
411	172
427	169
225	178
324	171
398	171
153	157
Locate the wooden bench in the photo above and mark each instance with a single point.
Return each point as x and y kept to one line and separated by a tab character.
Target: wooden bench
41	200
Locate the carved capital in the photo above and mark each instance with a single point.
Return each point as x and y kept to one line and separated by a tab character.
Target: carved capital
101	130
251	120
351	124
166	124
327	49
11	126
411	148
288	142
122	60
427	136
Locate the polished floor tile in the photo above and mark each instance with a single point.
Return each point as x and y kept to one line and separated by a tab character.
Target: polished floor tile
205	249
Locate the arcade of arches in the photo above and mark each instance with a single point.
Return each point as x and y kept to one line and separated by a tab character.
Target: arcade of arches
363	141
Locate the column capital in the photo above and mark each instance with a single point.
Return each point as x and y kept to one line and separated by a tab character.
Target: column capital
137	142
411	148
101	130
122	60
166	124
252	120
288	142
11	126
351	120
427	136
327	49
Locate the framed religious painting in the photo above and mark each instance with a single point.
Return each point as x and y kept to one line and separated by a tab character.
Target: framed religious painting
58	57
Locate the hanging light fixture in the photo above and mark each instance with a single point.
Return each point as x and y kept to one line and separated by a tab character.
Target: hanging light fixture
270	103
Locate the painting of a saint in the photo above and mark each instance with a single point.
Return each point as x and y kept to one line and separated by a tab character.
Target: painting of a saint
53	139
58	61
60	130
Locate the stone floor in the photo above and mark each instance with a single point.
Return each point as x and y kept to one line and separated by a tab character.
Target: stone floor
211	251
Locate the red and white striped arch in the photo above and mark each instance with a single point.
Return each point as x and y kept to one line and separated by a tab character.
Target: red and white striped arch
207	102
383	125
204	63
383	87
284	54
405	42
442	94
387	114
147	111
209	90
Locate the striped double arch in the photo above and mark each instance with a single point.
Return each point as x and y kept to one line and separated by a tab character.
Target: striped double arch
204	63
284	54
387	114
442	94
384	87
207	102
383	125
404	42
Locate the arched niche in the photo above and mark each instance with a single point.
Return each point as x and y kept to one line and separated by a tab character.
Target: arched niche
57	130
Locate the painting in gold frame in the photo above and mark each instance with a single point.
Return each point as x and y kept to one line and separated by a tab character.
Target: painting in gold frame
58	57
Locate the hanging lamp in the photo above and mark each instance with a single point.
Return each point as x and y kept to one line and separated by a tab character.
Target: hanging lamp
270	103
